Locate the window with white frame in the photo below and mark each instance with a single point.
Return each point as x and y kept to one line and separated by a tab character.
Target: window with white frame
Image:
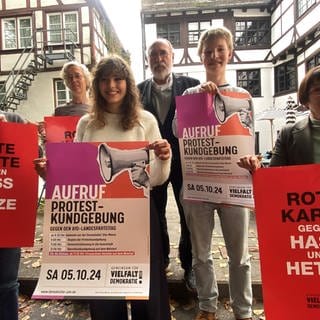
16	33
303	6
62	27
61	92
169	31
286	77
313	62
250	80
2	90
195	29
252	33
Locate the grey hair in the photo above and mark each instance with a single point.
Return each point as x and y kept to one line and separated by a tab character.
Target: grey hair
160	40
85	71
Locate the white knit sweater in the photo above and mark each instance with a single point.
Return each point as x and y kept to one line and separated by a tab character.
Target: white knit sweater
146	130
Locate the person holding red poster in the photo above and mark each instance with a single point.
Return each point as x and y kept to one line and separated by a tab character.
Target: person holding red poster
9	261
118	116
297	143
215	49
77	78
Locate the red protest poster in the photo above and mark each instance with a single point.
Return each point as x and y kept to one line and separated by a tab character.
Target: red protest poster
18	184
61	129
287	201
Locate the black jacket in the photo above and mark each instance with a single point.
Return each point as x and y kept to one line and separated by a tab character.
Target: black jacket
179	85
294	145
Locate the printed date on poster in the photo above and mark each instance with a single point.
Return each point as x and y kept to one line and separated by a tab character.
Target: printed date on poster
73	275
204	188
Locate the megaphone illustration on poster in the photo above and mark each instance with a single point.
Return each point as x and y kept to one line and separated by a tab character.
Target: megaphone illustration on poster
224	106
114	161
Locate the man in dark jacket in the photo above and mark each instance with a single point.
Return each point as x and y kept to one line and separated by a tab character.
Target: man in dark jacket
158	96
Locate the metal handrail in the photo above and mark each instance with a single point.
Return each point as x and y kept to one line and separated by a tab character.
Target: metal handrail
19	70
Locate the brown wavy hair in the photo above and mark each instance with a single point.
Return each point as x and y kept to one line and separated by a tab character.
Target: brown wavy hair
114	65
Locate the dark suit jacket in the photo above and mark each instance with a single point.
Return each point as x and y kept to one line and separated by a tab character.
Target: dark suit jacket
294	145
179	85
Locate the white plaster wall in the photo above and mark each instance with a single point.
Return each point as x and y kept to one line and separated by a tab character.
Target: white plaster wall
250	13
16	4
285	4
86	55
309	21
276	32
40	101
276	14
252	55
178	54
287	20
46	3
150	33
8	61
85	15
33	3
281	45
38	18
86	35
193	53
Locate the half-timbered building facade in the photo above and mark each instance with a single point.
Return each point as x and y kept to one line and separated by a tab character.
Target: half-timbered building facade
276	42
36	38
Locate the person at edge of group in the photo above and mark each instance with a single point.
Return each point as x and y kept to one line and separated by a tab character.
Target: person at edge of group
9	260
117	115
77	78
297	143
158	96
215	49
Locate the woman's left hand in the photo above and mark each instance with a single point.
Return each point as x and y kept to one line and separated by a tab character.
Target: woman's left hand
3	118
249	162
162	149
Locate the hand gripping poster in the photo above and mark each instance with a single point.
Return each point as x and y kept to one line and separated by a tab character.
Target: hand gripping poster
18	184
287	201
214	131
96	223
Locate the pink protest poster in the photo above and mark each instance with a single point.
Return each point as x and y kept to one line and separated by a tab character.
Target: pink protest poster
96	223
18	184
214	132
288	222
61	129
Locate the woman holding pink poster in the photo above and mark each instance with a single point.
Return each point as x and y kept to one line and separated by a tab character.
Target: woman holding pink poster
117	116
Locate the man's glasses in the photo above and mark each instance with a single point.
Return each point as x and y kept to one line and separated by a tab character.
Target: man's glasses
161	54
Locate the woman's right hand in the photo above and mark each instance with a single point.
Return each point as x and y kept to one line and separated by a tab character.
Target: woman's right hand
209	87
40	165
162	149
249	162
